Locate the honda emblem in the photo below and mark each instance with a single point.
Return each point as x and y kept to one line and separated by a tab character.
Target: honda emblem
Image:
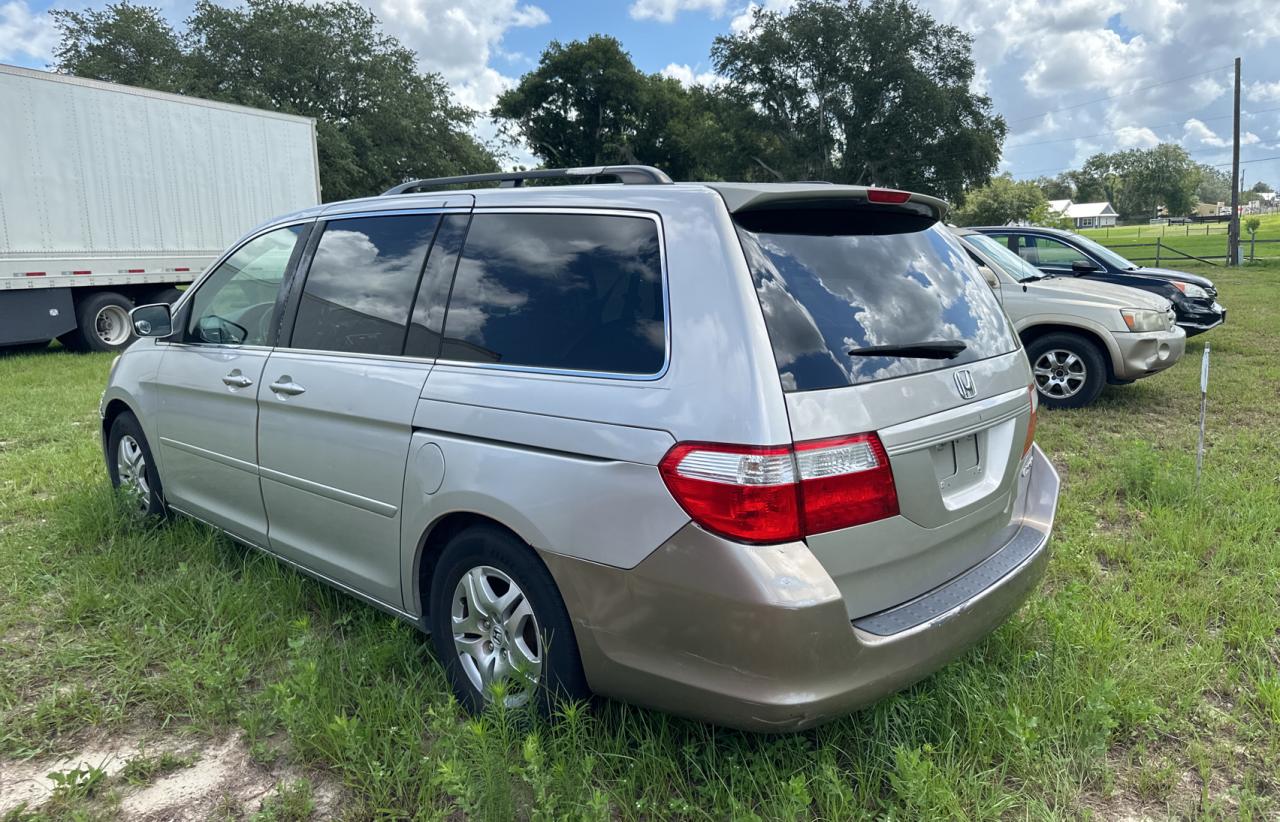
964	384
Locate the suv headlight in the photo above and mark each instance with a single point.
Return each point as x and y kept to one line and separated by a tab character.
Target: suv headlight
1143	319
1190	289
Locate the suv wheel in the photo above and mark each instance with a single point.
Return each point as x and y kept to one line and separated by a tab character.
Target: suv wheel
497	619
131	466
1068	369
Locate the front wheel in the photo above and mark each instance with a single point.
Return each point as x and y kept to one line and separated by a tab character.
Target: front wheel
1068	370
500	626
132	468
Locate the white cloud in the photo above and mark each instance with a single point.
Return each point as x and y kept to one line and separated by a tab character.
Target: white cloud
1263	92
665	11
458	37
1136	137
742	17
1199	132
25	34
688	77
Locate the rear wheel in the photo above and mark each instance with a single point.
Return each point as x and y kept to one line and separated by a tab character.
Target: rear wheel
1068	370
102	323
131	466
498	622
168	295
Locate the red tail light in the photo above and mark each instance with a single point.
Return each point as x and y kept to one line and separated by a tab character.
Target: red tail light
782	493
1031	425
887	195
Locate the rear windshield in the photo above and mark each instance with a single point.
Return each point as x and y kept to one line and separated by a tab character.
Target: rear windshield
832	282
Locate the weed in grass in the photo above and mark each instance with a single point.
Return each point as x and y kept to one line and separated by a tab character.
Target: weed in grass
291	802
143	769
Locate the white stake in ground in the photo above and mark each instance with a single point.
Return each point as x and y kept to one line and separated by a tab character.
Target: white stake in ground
1204	406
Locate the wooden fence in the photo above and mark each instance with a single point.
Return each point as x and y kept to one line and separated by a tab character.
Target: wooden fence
1167	253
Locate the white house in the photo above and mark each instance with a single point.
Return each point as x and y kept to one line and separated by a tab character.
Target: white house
1085	215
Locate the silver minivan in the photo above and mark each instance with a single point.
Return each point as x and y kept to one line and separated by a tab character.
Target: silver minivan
758	454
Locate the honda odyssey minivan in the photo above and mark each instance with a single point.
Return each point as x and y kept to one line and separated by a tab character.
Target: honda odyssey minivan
757	454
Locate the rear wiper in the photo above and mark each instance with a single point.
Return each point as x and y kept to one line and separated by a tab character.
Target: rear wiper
932	350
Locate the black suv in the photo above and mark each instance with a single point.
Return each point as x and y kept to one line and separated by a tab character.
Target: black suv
1063	253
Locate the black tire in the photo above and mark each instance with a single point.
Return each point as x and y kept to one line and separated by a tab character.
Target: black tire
492	547
168	295
149	499
1057	388
105	307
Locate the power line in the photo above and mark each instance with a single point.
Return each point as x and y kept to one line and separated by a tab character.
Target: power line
1121	94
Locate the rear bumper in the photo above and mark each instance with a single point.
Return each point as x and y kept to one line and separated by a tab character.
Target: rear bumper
759	638
1149	353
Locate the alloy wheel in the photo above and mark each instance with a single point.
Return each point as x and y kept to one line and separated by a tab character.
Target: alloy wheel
496	634
1060	373
131	467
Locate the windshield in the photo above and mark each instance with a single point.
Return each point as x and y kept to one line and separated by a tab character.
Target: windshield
1099	250
1010	263
852	298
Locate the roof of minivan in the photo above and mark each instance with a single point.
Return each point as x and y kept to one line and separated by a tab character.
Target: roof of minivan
736	196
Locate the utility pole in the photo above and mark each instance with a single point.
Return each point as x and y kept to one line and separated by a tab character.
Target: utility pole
1233	228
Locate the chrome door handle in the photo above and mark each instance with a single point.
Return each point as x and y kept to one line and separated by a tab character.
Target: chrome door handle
287	386
237	380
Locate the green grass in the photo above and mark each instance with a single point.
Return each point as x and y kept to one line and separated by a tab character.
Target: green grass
1207	240
1142	679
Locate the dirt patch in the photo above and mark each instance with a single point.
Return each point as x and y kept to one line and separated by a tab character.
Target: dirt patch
29	781
221	776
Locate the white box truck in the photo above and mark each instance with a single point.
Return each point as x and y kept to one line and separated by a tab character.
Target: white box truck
110	196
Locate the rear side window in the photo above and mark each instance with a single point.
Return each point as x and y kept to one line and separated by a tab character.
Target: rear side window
578	292
361	284
835	282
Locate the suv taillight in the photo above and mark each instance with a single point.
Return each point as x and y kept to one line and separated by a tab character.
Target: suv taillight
781	493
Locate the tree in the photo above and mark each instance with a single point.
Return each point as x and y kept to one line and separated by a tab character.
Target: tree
1259	187
378	120
865	92
1002	201
122	43
1056	188
581	106
1138	181
1213	184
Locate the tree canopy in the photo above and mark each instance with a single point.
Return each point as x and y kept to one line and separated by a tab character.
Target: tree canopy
865	92
1002	201
379	121
853	91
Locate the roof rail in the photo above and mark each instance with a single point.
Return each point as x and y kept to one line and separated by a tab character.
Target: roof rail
627	175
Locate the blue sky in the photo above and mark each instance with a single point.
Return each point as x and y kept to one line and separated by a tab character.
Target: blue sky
1071	77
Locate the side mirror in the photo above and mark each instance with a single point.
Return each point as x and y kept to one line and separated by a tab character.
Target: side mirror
1083	267
152	320
989	276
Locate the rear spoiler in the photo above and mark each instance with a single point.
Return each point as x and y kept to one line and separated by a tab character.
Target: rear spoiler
740	197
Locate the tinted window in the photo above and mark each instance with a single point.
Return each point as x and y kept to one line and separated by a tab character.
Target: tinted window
827	288
569	291
428	311
236	304
361	284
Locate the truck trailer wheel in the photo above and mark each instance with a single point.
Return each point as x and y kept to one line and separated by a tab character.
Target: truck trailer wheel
102	323
168	295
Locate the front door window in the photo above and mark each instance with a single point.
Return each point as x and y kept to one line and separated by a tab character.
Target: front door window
236	303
